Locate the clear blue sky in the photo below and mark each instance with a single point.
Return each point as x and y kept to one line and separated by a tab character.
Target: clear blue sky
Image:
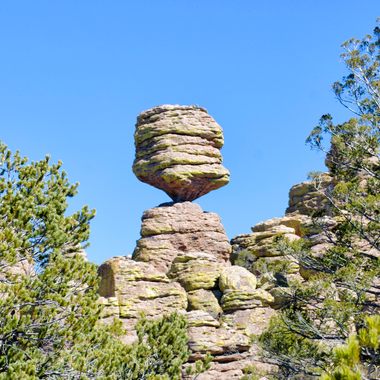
75	74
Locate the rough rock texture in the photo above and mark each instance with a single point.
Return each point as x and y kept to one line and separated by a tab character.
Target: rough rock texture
204	300
181	264
182	260
308	197
249	321
128	288
172	229
178	151
258	252
195	270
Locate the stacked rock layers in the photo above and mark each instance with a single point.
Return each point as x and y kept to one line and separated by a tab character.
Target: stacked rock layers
178	151
182	260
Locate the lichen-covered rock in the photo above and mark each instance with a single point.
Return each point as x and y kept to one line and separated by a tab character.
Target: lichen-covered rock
195	270
216	341
308	197
260	244
239	290
236	278
136	287
250	321
277	264
205	300
197	318
296	221
172	229
178	151
240	300
235	365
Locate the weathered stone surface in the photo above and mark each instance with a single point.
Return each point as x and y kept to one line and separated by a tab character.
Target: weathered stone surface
277	264
195	270
258	251
216	341
239	300
178	151
235	365
139	287
172	229
204	300
295	220
249	322
236	278
308	197
197	318
249	247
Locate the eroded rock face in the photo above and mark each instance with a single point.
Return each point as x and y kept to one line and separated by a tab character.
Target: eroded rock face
258	251
195	270
128	288
308	197
178	228
178	151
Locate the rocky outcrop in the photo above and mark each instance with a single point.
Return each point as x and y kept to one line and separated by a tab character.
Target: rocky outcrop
309	197
173	229
178	151
182	260
258	251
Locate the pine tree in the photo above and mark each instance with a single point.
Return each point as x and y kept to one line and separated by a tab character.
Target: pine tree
160	350
345	286
50	324
48	303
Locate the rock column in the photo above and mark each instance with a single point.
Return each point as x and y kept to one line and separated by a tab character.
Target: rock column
182	260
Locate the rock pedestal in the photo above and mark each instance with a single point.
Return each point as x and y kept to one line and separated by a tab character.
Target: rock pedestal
182	260
178	228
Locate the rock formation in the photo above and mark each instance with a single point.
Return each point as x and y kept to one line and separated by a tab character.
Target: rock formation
178	151
183	260
177	228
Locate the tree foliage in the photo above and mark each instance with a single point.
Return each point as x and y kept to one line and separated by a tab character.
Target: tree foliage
50	325
343	287
360	356
160	350
48	303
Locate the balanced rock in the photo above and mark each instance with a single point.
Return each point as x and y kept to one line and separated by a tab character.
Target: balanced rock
173	229
178	151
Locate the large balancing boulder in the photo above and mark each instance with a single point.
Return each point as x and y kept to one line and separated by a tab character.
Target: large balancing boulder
178	151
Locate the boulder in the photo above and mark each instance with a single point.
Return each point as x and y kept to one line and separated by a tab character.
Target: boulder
195	270
249	322
308	197
296	221
204	300
197	318
239	300
260	244
236	278
216	341
178	151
